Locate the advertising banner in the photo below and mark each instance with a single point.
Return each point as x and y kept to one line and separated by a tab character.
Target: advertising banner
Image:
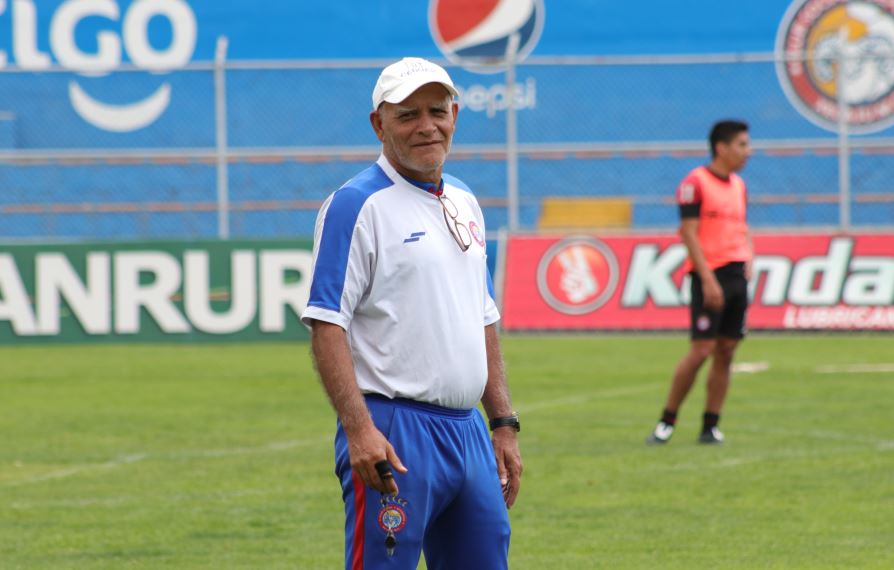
799	281
154	291
123	82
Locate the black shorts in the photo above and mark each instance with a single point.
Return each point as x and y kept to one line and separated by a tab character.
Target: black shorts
730	322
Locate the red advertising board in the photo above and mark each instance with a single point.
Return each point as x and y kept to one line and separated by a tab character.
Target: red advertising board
799	281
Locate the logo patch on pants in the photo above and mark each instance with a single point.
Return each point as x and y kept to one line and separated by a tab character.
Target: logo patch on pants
392	519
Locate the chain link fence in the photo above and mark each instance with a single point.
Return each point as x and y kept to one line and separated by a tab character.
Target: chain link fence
251	149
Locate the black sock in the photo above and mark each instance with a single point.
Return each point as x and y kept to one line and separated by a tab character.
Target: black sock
669	417
709	421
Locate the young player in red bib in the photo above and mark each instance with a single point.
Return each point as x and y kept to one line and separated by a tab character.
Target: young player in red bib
712	201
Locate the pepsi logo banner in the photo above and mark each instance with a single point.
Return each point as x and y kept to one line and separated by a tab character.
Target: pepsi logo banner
477	34
811	282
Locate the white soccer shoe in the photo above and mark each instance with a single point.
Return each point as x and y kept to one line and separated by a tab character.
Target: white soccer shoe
661	434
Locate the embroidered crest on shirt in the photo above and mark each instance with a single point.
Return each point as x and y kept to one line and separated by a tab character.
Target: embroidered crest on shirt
476	232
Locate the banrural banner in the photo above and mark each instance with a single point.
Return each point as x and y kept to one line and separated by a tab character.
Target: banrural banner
799	282
154	291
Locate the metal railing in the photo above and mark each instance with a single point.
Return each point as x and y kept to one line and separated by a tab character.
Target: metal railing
596	126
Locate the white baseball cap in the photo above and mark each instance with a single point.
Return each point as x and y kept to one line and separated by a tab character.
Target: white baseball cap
401	79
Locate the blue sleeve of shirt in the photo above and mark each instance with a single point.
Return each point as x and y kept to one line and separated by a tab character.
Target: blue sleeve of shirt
334	246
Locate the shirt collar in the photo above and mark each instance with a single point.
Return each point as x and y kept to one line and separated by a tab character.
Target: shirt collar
433	189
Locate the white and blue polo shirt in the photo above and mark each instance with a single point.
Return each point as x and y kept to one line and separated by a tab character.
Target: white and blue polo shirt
388	271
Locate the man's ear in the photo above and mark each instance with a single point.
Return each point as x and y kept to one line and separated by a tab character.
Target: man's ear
721	149
375	119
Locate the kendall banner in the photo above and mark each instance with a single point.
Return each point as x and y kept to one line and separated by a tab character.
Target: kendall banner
799	281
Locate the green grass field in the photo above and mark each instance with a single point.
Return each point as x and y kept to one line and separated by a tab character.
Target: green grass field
220	457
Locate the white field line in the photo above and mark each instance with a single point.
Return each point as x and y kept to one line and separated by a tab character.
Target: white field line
582	397
881	444
855	368
72	503
286	445
779	456
76	469
84	502
136	457
270	447
750	367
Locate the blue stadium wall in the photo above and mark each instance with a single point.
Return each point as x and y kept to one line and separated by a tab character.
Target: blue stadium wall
329	108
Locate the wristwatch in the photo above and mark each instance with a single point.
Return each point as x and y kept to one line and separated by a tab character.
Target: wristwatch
508	421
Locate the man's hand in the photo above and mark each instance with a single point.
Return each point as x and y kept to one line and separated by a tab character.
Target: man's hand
509	463
713	293
366	444
367	447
